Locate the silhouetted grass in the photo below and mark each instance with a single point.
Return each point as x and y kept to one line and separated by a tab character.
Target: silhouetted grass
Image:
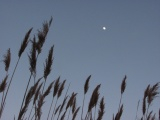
68	108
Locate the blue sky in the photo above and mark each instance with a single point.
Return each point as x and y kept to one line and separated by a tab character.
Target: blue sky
130	46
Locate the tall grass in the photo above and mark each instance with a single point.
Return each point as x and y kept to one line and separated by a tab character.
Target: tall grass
35	94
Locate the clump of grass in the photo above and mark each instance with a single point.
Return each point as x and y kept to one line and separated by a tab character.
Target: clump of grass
68	108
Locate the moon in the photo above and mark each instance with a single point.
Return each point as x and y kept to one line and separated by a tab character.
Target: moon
104	28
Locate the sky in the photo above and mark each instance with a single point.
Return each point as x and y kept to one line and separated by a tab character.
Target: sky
129	46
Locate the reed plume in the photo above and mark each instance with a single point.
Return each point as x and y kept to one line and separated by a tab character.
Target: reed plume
49	61
74	105
93	101
86	86
32	58
3	84
151	95
48	89
35	98
70	103
60	90
56	88
39	110
24	43
41	101
123	87
7	59
119	113
48	65
101	109
42	33
94	98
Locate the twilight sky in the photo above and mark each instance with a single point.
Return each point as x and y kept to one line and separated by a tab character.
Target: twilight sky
130	46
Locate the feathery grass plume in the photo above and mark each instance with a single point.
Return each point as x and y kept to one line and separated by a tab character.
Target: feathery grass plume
94	98
48	89
70	102
2	89
119	114
123	85
7	59
86	86
32	57
50	22
61	88
48	65
41	102
153	92
37	91
56	88
58	95
101	109
3	84
24	43
38	110
35	98
146	92
96	101
74	105
42	35
144	106
24	97
75	113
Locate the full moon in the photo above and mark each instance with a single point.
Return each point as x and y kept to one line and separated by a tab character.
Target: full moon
104	28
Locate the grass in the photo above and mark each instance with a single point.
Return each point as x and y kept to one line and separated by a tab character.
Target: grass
36	94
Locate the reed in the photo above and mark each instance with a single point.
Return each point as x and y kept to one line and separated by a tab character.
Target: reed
68	108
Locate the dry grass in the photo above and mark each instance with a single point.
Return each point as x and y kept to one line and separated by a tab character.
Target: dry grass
68	108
